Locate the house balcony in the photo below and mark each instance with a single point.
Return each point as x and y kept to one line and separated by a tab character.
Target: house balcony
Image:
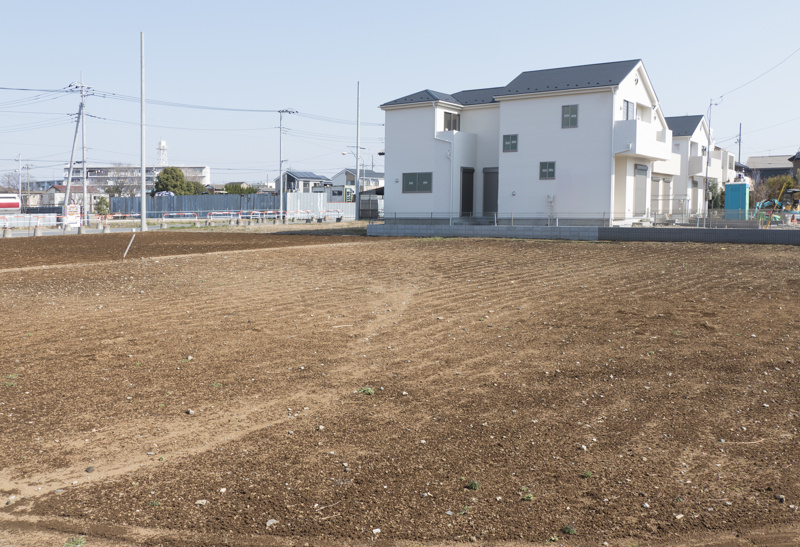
672	166
637	138
696	165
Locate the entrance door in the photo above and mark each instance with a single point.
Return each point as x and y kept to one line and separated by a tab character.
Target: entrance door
467	179
640	191
490	178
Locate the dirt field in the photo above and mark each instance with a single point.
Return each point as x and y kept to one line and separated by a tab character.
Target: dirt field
212	390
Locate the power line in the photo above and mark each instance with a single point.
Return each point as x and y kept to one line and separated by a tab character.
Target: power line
760	75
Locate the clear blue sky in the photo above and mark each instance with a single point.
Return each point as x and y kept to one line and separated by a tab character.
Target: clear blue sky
308	56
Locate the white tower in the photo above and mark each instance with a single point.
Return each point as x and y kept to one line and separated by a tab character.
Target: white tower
162	153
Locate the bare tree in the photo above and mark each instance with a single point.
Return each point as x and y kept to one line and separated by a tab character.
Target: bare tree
124	180
10	179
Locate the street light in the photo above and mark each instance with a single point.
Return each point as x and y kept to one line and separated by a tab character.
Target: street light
708	157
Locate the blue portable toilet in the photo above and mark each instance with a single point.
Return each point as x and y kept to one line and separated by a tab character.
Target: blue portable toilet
737	201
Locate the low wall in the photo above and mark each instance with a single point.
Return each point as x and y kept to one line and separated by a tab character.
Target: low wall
588	233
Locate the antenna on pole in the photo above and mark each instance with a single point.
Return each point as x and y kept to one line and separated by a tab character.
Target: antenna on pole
162	153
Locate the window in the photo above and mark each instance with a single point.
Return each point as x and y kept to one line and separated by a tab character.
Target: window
629	110
569	115
417	183
547	170
509	143
452	122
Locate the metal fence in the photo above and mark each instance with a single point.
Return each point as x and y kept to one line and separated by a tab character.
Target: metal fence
315	204
714	218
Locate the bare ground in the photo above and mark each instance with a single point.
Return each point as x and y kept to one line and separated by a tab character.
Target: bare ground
636	394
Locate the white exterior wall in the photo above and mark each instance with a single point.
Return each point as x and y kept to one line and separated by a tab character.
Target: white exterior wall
484	123
581	154
645	141
412	148
595	161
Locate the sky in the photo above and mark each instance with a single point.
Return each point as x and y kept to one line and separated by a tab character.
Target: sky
737	60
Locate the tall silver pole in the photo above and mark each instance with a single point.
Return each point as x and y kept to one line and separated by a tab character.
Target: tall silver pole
85	221
280	169
143	166
708	160
19	178
358	142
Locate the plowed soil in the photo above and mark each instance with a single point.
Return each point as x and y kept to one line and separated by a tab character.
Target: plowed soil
272	389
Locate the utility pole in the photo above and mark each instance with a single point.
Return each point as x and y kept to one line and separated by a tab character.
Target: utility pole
708	158
71	166
280	161
358	142
280	167
142	151
83	146
19	177
81	121
739	140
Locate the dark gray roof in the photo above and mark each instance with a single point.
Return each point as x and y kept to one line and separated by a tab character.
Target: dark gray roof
536	81
367	173
683	126
424	96
306	175
574	77
477	96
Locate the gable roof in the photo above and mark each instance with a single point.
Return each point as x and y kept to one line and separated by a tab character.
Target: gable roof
305	175
477	96
424	96
535	81
367	173
574	77
683	126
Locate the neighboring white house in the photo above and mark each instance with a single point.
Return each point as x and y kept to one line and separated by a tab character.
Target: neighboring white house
302	182
576	143
54	196
684	193
369	179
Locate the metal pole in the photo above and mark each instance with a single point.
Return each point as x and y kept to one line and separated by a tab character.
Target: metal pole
143	166
708	161
280	169
19	178
358	141
71	166
83	155
739	159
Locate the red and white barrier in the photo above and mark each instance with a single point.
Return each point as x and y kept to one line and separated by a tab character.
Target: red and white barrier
222	215
334	213
192	216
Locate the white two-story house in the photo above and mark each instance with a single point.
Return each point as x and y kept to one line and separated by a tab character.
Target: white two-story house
577	144
684	194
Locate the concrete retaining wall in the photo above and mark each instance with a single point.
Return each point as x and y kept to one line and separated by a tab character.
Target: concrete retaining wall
587	233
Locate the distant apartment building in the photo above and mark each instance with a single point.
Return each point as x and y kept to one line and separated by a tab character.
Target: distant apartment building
127	179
